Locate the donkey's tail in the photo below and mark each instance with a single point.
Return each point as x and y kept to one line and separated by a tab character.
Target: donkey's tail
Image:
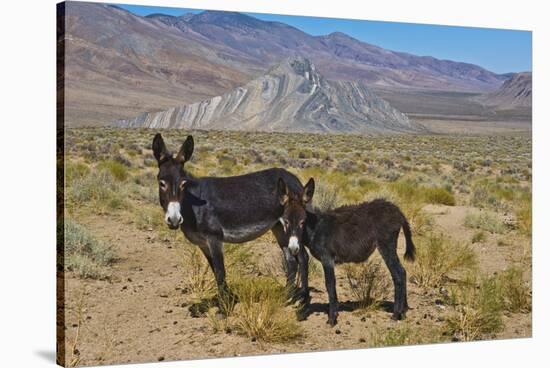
410	249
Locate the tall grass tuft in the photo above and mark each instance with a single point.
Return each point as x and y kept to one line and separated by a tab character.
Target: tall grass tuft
117	169
367	281
261	312
437	257
516	292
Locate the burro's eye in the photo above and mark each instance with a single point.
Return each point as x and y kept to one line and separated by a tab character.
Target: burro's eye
301	223
286	223
163	185
182	184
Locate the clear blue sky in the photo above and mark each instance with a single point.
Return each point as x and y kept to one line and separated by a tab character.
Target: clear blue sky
497	50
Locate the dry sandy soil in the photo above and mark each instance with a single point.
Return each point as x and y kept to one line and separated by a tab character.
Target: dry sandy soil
142	315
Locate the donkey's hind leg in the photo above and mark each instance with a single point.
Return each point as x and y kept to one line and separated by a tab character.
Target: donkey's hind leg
388	251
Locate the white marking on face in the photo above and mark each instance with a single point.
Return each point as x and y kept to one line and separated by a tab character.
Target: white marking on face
173	216
293	245
282	223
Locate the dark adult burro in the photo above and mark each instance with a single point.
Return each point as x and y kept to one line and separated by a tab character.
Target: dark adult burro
211	210
348	234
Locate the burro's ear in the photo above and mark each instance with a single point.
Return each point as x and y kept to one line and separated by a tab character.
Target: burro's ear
186	150
282	191
159	148
309	189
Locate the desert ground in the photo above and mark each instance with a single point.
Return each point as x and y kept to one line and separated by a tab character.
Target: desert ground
135	291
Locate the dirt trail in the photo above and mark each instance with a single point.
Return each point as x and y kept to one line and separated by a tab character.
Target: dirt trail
141	313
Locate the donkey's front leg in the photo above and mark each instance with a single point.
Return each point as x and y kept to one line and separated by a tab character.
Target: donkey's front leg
303	261
215	246
330	283
291	262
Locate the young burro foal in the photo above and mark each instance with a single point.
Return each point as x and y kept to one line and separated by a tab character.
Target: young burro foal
348	234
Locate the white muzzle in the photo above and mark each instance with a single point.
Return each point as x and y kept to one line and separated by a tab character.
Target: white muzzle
173	217
293	245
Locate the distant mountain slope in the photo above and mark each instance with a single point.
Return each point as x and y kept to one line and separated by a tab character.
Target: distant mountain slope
292	97
119	64
516	92
337	55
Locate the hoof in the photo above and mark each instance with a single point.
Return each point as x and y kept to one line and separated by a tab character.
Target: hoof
333	320
398	316
301	314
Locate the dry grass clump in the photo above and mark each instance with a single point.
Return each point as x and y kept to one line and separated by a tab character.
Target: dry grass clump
479	308
326	197
197	277
261	312
368	282
438	196
524	215
516	292
84	254
437	257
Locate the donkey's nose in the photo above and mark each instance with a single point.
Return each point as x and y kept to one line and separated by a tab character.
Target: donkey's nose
174	221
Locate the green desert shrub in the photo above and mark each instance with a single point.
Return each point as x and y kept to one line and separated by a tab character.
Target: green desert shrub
403	335
117	169
485	221
479	237
83	253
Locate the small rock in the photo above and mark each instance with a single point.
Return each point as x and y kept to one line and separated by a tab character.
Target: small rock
129	279
363	319
253	339
338	332
438	302
175	322
168	311
362	340
124	287
455	339
348	323
160	359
